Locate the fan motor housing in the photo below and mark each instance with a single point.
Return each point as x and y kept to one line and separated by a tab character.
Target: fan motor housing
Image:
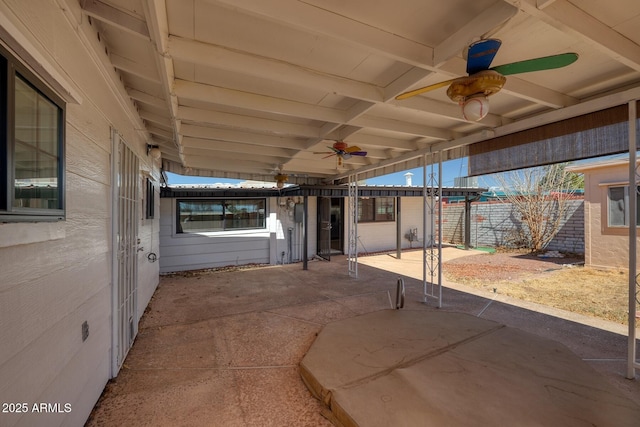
339	145
485	82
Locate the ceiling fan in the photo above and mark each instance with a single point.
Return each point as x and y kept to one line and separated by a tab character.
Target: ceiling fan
282	177
471	91
342	151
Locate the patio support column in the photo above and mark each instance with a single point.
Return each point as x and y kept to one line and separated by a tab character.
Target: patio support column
440	215
353	226
425	224
432	236
632	364
467	222
398	228
305	240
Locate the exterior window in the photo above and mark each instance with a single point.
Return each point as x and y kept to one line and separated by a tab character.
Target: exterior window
618	207
376	209
150	201
197	216
31	146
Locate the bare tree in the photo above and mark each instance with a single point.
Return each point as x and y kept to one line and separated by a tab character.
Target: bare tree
539	196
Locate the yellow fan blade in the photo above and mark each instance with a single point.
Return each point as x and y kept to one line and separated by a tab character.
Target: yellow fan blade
424	89
352	149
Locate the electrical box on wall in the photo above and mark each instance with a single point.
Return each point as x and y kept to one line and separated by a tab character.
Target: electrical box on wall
298	213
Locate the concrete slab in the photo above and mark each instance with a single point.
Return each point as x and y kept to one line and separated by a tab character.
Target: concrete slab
410	368
222	348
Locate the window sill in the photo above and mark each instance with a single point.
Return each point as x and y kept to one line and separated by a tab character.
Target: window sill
239	231
14	234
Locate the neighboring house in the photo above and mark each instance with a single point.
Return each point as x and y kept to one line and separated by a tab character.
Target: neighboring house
606	212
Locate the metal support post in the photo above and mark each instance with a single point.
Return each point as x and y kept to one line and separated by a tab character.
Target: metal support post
432	236
353	226
632	363
398	227
305	254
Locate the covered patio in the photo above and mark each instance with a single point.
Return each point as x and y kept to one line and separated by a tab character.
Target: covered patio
332	93
299	92
223	348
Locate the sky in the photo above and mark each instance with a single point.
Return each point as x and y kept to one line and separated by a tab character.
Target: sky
450	170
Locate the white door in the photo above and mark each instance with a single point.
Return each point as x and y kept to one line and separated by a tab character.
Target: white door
125	250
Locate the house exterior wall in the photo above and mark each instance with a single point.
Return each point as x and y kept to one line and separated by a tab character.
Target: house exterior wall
280	242
57	275
492	224
605	247
381	236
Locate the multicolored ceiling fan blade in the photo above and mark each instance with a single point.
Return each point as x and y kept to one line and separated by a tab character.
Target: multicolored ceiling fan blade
481	54
537	64
325	152
358	153
352	148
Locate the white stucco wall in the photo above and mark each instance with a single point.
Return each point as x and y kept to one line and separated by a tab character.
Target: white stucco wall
55	276
381	236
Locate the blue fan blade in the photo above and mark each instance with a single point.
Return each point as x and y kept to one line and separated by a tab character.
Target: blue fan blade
481	55
358	153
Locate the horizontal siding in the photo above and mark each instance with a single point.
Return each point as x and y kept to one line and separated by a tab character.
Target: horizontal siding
49	286
47	366
182	252
214	245
30	310
93	359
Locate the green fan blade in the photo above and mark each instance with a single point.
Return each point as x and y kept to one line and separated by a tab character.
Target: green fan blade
537	64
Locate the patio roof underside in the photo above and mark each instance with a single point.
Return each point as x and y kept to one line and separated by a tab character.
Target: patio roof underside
246	88
315	190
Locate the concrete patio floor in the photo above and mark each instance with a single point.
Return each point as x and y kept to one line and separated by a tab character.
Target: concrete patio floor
224	348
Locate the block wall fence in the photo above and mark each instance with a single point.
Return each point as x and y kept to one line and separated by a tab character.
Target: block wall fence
497	224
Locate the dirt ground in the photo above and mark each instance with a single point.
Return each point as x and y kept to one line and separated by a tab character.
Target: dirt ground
556	282
512	265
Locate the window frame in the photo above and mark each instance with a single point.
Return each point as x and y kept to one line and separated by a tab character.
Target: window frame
606	227
626	220
224	202
373	215
150	200
10	70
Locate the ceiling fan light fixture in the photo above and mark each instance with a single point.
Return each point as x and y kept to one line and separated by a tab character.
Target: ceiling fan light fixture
154	151
280	180
475	107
